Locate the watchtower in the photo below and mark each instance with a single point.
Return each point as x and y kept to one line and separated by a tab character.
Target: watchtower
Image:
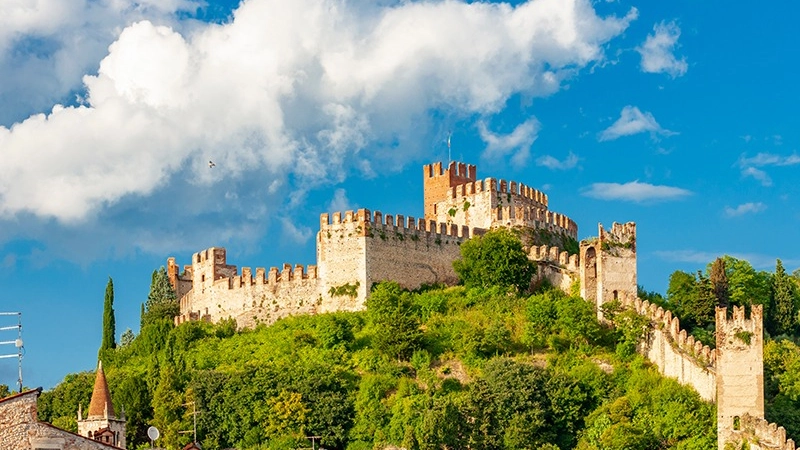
608	265
437	183
740	370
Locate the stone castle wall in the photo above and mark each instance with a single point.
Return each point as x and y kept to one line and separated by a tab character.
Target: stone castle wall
740	368
249	299
413	253
493	203
20	428
558	267
761	435
675	353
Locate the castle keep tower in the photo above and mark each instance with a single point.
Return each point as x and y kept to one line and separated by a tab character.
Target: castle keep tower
101	423
608	265
438	183
740	371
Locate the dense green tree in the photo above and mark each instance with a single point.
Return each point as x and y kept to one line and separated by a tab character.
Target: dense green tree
746	285
495	259
698	311
719	282
109	326
783	301
132	394
161	301
127	338
396	327
4	391
681	291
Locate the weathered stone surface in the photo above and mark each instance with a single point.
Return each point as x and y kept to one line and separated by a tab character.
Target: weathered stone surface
20	428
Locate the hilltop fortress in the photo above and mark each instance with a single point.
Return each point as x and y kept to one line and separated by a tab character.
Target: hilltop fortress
358	249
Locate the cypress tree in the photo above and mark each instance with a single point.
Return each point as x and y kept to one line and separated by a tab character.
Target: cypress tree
782	301
109	326
719	282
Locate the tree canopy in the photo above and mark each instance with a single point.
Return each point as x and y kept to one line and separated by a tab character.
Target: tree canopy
495	259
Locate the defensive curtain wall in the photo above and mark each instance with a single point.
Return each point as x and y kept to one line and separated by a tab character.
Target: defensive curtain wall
356	250
353	252
732	375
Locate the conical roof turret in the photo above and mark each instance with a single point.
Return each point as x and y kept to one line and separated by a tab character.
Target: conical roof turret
101	405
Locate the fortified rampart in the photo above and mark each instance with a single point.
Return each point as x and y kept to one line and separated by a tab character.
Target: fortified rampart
608	265
761	435
677	354
493	203
357	249
740	369
556	266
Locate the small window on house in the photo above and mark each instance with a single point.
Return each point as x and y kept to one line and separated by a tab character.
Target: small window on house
616	295
202	278
736	423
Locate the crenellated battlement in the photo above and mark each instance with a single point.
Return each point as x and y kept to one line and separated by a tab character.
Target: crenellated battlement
522	216
739	322
454	170
619	233
663	320
366	223
470	189
553	255
764	434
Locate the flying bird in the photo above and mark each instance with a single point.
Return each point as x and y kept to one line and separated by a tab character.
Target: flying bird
211	164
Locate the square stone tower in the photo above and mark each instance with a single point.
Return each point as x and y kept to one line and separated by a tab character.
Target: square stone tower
437	183
608	265
740	370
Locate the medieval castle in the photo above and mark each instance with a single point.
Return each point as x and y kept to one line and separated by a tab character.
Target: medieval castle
357	249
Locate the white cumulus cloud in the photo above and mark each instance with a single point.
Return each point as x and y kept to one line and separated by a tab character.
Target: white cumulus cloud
745	208
553	163
285	97
517	143
634	191
658	51
758	174
633	121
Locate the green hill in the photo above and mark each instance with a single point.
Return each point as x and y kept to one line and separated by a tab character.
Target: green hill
443	368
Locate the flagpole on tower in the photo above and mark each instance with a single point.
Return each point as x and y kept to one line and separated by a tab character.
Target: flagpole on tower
449	159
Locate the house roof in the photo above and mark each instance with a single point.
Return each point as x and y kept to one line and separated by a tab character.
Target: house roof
11	397
101	396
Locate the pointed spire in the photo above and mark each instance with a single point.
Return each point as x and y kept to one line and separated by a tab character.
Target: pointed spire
101	405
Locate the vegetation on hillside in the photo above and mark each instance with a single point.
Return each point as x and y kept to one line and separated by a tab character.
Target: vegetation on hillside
481	366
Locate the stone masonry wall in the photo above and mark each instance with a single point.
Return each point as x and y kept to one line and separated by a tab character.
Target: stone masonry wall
341	249
21	430
740	368
263	298
676	354
558	267
760	435
492	203
412	252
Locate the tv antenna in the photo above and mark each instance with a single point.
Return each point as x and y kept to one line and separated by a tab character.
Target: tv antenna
314	440
195	412
17	343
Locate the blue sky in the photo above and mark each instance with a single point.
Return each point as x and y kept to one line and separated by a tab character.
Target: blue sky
680	116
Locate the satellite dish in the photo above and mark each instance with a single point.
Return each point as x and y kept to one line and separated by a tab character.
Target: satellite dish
153	433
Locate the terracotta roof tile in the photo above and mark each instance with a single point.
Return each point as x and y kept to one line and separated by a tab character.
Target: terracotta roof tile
101	396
